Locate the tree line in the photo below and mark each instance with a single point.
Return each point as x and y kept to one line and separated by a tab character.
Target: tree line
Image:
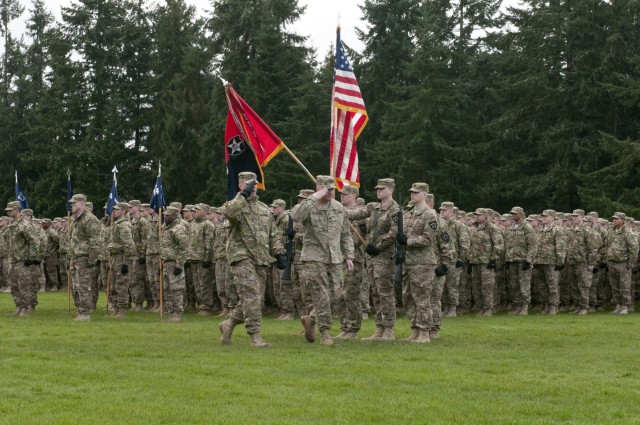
535	105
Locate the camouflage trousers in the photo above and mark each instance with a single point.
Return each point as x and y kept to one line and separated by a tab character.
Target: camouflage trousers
564	288
283	291
450	291
417	285
190	289
320	278
349	306
203	280
63	266
5	264
579	278
138	274
301	295
599	294
436	300
225	286
83	276
173	288
520	283
465	298
24	284
549	284
153	277
483	281
51	272
120	282
249	279
380	274
105	278
365	291
501	291
620	280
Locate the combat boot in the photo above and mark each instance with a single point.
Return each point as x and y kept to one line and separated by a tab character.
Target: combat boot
376	335
617	309
325	338
119	314
422	338
434	334
487	312
224	312
226	330
309	328
582	312
450	313
174	318
17	312
82	318
516	310
524	310
553	310
545	311
387	334
341	335
623	310
365	316
414	335
24	312
205	313
286	316
138	307
257	341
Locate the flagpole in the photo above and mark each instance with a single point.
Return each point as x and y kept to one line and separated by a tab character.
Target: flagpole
160	240
68	258
115	180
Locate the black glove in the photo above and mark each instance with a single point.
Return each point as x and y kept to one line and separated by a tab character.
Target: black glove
97	263
281	263
290	233
206	264
28	263
142	260
491	264
602	266
248	189
35	262
441	270
177	271
187	265
469	268
558	267
363	228
401	238
595	269
526	265
636	269
459	264
372	250
124	269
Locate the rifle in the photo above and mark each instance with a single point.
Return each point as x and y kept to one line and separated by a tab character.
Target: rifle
399	255
289	250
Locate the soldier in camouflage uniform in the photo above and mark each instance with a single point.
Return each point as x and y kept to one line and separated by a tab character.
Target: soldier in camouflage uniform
486	246
174	249
138	273
106	275
253	243
121	249
349	303
622	257
153	258
520	247
201	240
550	259
327	244
591	223
224	280
366	284
42	278
63	249
33	255
4	253
283	291
301	294
582	251
51	255
190	295
383	228
459	235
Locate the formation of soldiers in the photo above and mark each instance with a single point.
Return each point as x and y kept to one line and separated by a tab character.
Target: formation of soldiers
229	260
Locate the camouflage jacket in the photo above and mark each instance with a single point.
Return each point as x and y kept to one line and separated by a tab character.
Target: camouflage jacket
582	246
460	239
44	240
24	241
53	243
85	236
358	247
105	238
327	238
622	246
63	247
486	243
201	240
220	241
298	238
253	233
421	225
552	245
382	224
140	228
521	243
4	251
175	242
153	238
121	242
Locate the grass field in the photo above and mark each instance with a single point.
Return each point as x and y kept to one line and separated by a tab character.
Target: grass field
502	369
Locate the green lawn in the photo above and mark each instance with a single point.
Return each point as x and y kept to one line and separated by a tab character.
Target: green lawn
501	369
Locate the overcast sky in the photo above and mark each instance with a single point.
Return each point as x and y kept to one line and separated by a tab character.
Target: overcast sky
319	22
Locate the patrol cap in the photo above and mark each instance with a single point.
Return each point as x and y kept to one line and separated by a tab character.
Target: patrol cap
135	203
222	209
547	213
533	217
516	210
12	205
121	206
214	210
89	205
593	214
57	219
189	207
349	189
78	197
278	203
202	206
246	176
505	217
176	205
145	206
46	220
619	215
419	187
304	193
588	218
578	212
386	182
171	211
470	215
326	182
447	206
360	201
27	211
479	211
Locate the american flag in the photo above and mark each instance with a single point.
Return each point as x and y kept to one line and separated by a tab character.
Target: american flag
348	119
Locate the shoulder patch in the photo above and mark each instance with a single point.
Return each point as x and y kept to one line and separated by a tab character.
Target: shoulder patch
445	237
433	225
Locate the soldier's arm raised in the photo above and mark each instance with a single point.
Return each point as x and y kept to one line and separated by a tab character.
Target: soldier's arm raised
233	210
